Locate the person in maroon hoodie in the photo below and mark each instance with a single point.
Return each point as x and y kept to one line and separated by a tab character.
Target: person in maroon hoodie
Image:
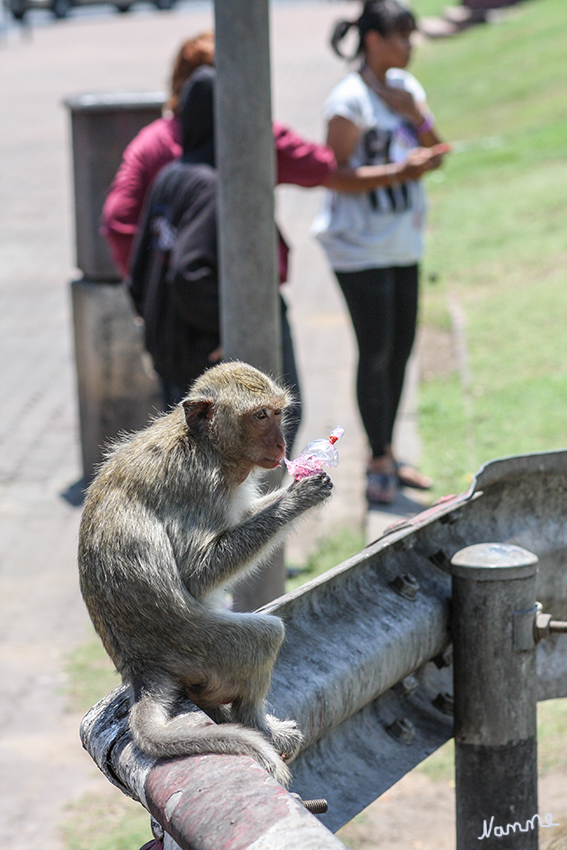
155	145
298	162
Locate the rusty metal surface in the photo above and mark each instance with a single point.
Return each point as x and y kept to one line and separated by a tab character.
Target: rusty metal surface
205	802
106	737
364	667
230	803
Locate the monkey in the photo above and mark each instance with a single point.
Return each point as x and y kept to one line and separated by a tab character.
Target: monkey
173	518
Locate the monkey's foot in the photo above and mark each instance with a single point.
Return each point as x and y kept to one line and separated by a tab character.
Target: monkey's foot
285	737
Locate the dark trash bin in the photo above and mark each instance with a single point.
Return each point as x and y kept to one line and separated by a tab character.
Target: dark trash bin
117	388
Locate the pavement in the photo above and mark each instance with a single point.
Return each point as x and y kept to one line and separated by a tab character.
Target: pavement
42	765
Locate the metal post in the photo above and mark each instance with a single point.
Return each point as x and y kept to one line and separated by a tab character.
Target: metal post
250	306
495	697
250	320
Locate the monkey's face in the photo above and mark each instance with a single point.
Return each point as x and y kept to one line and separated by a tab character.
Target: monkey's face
265	438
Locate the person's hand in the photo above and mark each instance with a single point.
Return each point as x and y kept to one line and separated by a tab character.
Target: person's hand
402	102
420	160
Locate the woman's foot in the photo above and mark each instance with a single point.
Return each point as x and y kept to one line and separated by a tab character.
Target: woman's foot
408	476
381	484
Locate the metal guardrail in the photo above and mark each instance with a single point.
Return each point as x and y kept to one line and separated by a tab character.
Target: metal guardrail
365	668
208	802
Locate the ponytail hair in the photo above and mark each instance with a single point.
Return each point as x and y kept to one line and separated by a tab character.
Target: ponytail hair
340	30
382	16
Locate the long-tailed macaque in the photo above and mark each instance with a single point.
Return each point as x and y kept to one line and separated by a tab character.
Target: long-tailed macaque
172	519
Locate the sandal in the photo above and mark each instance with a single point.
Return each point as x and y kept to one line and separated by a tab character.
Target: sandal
410	477
381	488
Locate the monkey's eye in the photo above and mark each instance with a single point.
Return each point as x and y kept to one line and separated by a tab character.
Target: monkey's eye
268	413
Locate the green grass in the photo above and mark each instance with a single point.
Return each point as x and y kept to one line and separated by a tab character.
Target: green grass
429	8
111	821
330	552
496	240
108	822
90	675
552	735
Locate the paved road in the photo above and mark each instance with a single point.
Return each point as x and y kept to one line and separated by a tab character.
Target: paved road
42	766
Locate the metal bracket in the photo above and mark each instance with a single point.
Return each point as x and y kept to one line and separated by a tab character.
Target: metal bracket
523	628
545	626
532	626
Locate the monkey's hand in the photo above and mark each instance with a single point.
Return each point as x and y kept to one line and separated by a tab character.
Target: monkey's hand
310	491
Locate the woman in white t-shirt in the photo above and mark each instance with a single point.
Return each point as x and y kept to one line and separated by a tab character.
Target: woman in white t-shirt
384	140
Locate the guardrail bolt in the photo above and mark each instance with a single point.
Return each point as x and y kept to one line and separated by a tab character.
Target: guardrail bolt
444	703
402	730
406	687
405	585
316	807
444	659
440	559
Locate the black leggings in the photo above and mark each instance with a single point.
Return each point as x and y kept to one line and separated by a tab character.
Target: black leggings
383	308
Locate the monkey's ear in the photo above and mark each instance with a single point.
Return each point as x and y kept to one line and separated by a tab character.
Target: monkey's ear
198	413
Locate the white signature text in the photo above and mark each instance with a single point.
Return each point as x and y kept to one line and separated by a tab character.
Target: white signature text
500	831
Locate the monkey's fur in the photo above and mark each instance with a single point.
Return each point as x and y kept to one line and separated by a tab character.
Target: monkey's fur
172	519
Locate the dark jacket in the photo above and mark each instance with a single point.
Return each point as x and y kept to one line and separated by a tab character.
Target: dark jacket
174	278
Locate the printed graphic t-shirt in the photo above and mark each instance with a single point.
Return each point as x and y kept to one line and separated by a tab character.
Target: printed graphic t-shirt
383	227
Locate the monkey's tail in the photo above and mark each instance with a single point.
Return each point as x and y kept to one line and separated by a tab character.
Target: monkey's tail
161	736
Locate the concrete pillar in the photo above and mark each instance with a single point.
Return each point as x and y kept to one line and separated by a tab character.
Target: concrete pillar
495	697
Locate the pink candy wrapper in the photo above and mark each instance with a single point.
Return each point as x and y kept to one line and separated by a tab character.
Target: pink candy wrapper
314	456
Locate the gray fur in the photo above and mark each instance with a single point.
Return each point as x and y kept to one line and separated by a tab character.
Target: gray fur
173	519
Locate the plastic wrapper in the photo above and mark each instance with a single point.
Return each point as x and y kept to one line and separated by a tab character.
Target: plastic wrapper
315	456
